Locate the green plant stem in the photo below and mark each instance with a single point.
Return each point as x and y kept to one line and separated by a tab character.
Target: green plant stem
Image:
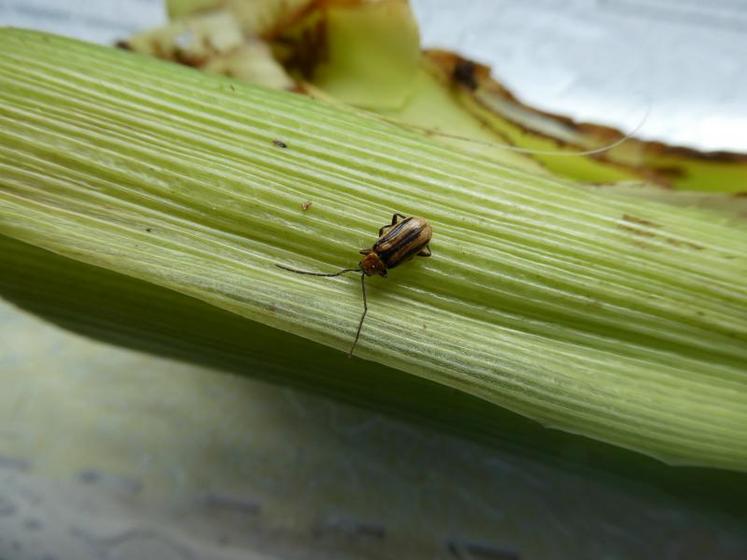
621	320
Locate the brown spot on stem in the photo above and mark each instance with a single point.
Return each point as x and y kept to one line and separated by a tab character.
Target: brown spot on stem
646	228
464	74
638	226
641	221
637	231
683	243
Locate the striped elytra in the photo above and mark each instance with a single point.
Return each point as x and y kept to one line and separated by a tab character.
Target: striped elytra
398	242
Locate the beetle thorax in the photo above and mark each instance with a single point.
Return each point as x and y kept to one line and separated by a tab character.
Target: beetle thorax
372	265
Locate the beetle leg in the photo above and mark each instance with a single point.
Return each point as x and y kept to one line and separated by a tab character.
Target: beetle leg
425	251
363	316
366	251
394	222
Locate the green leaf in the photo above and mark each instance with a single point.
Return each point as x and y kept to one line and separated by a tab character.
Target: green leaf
621	320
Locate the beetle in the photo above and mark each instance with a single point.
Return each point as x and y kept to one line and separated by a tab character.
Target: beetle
398	242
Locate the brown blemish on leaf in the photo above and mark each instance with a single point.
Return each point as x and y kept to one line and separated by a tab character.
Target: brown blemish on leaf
646	228
306	205
670	172
660	149
636	231
464	73
682	243
641	221
279	143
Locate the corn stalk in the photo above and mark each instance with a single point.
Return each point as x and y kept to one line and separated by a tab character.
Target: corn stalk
618	319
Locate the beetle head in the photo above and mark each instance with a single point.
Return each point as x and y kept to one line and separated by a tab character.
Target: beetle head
371	264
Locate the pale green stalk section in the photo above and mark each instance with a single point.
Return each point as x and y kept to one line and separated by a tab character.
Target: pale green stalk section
621	320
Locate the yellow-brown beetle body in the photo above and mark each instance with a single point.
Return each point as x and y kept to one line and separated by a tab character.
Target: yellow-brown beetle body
398	242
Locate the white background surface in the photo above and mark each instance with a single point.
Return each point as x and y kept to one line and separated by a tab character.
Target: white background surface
102	21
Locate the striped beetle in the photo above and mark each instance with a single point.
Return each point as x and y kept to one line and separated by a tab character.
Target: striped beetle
404	238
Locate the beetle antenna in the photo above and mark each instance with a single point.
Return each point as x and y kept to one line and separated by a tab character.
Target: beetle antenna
328	274
493	144
365	310
529	151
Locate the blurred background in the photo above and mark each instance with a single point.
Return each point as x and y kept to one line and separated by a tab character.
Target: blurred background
112	453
